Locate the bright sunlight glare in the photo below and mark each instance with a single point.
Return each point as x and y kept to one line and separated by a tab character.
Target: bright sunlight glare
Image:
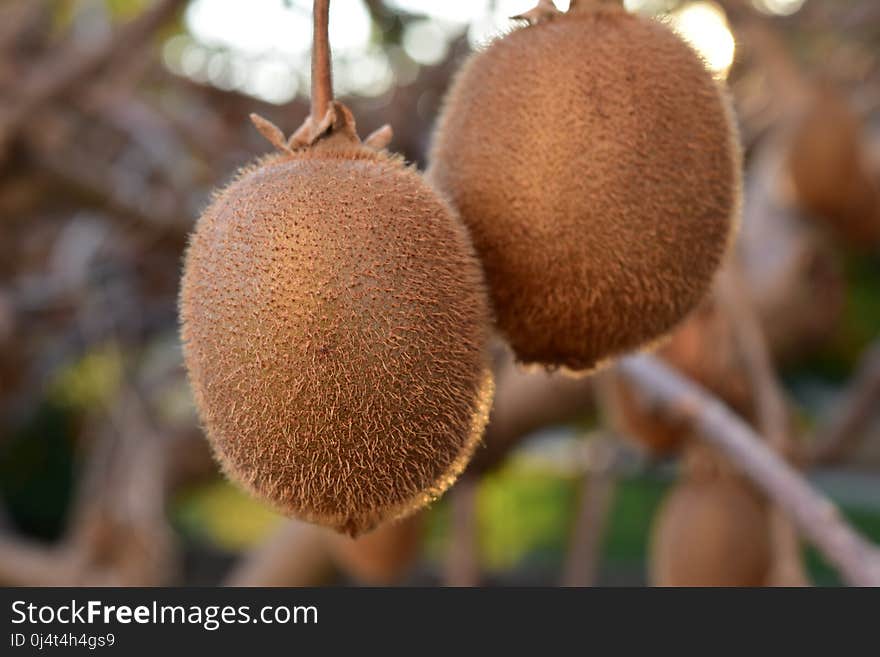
261	47
778	7
704	26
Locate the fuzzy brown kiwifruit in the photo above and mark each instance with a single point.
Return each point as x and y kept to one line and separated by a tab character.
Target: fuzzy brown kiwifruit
711	531
335	327
830	169
596	163
384	556
704	349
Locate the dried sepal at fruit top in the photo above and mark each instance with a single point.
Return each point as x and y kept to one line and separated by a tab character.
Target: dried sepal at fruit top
596	162
544	10
337	128
335	327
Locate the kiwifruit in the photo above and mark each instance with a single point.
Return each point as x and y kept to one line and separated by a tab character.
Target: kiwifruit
335	325
830	169
704	349
711	531
383	556
596	163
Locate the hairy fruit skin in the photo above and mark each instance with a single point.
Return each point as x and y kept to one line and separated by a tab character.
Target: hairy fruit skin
335	324
595	161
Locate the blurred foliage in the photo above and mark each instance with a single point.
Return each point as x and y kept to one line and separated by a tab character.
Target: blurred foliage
125	9
862	315
89	382
37	472
224	516
522	512
861	319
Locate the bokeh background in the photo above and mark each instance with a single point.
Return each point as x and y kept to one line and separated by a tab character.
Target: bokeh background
118	118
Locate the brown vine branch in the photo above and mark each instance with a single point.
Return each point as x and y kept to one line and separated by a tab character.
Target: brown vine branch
840	434
118	534
788	565
68	70
462	565
767	393
295	555
591	521
857	560
322	69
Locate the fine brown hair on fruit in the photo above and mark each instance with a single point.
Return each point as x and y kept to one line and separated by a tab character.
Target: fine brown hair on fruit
830	170
704	349
711	531
335	326
382	557
596	163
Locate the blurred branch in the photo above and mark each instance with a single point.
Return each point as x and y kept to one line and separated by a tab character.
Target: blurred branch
591	519
857	560
19	19
767	394
158	208
25	563
295	555
840	434
772	412
118	534
70	69
462	558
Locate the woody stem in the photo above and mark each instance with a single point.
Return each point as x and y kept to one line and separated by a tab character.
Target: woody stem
322	73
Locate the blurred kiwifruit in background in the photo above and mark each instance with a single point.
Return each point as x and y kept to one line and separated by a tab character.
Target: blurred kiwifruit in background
712	529
831	170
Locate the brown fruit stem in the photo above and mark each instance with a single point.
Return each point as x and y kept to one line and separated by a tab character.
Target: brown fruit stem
322	70
581	5
326	114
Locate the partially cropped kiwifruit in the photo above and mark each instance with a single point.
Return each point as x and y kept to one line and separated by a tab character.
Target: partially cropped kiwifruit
384	556
831	172
704	349
711	531
596	163
335	327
